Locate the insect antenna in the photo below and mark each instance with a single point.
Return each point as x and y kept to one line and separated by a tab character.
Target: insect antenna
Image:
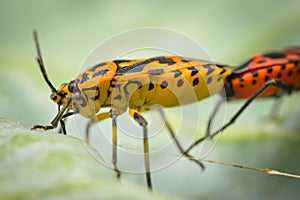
41	63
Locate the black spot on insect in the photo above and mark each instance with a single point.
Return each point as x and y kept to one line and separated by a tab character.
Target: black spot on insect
207	66
261	61
270	70
279	75
108	93
164	84
100	72
140	85
164	60
253	82
113	83
177	73
84	78
92	69
282	67
266	78
185	60
156	71
209	71
118	62
193	70
151	86
290	73
54	98
275	55
209	80
118	97
223	71
255	74
180	83
220	66
241	85
195	81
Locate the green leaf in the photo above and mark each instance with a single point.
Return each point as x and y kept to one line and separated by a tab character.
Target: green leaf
40	165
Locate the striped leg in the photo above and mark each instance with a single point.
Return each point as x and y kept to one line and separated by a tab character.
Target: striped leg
113	115
142	122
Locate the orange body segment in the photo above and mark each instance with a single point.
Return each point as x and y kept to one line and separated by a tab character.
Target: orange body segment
249	77
139	84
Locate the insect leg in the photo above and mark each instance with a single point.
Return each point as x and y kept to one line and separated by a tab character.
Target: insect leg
172	133
94	120
142	122
57	118
273	82
113	115
62	128
211	118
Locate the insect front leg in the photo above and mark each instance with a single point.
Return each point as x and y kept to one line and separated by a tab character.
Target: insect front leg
57	118
142	122
94	120
62	128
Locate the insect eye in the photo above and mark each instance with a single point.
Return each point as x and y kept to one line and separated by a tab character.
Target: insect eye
72	86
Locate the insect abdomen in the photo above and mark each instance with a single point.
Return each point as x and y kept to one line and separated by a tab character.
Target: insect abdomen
184	86
280	65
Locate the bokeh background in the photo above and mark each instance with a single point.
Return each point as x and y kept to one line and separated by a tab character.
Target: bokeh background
229	31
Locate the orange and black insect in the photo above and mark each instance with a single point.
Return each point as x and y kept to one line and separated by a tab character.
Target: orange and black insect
134	86
263	75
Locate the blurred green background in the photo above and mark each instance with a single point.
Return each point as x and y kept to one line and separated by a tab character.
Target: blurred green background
230	31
